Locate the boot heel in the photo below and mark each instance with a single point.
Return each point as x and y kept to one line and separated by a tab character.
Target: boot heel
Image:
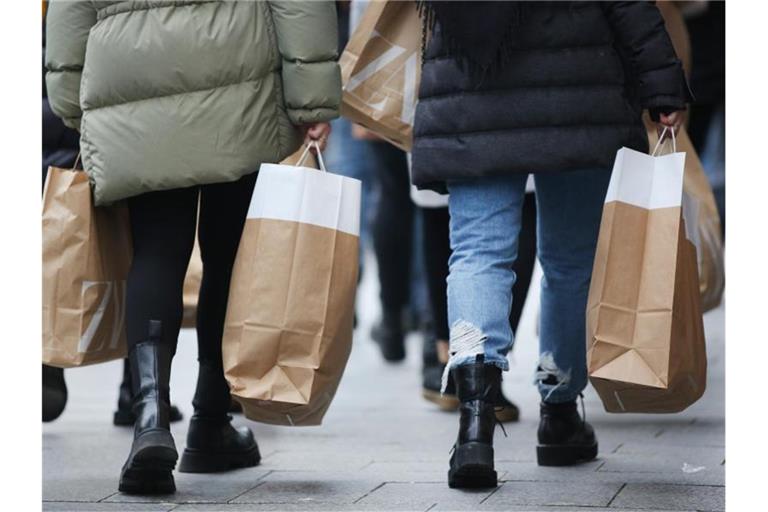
472	467
198	461
565	455
149	469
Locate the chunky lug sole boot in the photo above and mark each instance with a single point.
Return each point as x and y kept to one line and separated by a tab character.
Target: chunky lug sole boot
149	468
471	464
124	416
565	438
213	444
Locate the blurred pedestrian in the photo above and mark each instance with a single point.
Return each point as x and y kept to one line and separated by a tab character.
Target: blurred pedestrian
175	103
553	89
706	28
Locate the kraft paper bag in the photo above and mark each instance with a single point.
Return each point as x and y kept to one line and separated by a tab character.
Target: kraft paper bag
704	220
194	276
645	336
288	331
86	256
381	71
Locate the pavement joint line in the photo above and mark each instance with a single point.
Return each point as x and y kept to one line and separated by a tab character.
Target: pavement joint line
382	484
491	493
610	502
107	497
431	507
602	463
658	434
615	450
259	481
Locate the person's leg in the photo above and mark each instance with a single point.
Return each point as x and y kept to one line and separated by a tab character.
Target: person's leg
212	443
392	242
484	226
570	207
163	233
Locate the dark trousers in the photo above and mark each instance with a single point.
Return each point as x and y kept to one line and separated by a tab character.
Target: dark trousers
392	228
437	250
163	230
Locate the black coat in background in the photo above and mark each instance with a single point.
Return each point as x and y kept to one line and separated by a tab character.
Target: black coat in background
570	95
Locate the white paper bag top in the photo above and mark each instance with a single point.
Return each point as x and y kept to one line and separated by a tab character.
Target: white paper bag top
647	181
310	196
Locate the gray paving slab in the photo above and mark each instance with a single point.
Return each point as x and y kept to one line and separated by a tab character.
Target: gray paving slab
308	488
63	506
202	488
561	494
420	496
673	497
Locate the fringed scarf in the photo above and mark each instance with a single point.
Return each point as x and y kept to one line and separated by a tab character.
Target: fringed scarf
477	34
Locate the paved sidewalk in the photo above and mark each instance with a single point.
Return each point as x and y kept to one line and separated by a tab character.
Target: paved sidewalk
383	447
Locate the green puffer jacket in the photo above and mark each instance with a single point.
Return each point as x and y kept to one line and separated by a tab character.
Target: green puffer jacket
170	94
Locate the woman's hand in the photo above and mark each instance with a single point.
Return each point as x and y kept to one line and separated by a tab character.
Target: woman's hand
318	132
673	120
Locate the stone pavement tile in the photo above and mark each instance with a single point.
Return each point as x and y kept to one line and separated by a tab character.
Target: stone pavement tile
591	472
420	496
314	461
63	506
563	494
85	488
279	507
202	488
702	432
633	457
308	488
673	497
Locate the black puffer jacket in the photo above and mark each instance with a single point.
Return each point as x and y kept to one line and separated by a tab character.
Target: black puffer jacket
570	95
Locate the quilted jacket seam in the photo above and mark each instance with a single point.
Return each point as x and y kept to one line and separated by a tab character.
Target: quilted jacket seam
260	78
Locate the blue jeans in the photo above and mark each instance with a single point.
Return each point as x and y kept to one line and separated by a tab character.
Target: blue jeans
485	223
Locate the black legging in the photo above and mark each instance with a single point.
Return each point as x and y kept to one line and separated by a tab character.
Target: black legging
163	230
437	250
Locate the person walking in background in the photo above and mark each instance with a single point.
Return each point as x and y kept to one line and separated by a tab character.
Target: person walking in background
177	103
553	89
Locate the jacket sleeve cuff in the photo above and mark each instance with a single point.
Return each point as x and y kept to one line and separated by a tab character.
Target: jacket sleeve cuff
312	90
664	90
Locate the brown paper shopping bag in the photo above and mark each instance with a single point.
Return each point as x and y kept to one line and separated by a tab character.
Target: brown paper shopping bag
288	332
381	70
86	256
645	337
704	221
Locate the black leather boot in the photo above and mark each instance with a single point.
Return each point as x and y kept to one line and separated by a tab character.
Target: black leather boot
124	416
153	456
565	438
477	386
213	444
54	392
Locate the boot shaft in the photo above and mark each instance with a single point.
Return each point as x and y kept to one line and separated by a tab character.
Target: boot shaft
150	363
478	387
